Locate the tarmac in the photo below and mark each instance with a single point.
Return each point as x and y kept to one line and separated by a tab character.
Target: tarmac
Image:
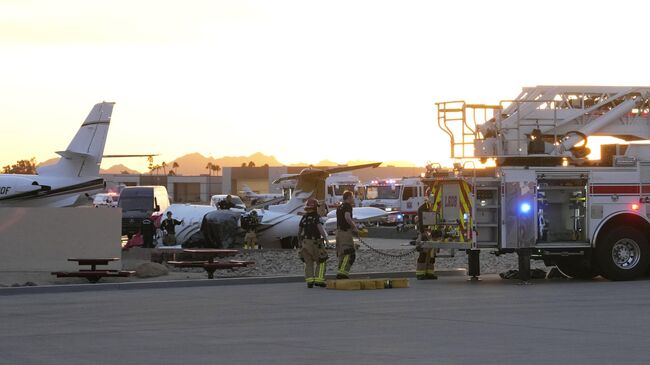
448	321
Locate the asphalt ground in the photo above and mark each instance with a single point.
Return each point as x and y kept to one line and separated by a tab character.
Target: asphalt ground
448	321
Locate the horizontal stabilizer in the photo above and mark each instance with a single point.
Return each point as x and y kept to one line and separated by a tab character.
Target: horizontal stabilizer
286	178
72	155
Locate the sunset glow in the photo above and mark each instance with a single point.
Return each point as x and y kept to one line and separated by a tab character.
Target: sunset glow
303	81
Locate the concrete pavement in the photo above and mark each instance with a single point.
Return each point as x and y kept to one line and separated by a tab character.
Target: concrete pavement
449	321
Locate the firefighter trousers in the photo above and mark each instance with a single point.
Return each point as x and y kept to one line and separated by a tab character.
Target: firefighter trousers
250	240
345	252
424	266
312	254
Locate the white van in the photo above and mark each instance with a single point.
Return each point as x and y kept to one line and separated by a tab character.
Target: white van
105	200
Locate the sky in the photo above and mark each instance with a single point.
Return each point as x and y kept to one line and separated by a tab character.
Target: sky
301	80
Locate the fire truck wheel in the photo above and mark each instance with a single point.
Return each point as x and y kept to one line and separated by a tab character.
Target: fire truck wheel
622	254
577	267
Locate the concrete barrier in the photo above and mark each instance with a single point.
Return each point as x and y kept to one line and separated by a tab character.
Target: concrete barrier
42	239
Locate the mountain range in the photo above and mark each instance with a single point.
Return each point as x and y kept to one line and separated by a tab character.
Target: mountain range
195	163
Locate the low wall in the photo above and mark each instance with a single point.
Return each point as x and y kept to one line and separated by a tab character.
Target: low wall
42	239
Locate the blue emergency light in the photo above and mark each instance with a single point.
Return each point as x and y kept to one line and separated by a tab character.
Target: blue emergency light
524	207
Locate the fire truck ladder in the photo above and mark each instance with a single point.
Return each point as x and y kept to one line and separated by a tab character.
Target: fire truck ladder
459	121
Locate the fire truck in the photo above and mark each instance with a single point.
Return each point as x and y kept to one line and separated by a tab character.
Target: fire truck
337	184
542	198
402	196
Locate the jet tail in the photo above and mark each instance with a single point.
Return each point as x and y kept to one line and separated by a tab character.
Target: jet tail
84	154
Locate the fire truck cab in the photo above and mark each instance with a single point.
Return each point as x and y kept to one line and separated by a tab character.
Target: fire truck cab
402	196
544	199
337	184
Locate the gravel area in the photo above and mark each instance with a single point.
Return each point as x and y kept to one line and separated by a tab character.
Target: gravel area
287	262
278	262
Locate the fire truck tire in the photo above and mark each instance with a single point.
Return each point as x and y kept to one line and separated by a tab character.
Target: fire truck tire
577	268
623	254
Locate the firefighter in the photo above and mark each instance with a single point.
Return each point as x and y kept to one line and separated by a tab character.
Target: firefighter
227	203
345	227
427	257
148	230
250	240
169	226
313	251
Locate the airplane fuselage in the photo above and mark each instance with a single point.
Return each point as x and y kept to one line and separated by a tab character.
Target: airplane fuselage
50	191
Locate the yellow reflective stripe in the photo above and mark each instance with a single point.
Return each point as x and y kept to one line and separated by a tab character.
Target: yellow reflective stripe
344	264
437	197
466	208
321	271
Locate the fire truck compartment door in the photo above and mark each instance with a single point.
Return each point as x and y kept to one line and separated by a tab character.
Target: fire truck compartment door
450	202
520	208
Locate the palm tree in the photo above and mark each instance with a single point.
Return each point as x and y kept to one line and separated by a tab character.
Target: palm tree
215	168
209	167
150	163
251	164
175	167
164	167
218	169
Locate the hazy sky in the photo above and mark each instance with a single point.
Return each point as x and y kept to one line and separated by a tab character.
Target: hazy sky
294	79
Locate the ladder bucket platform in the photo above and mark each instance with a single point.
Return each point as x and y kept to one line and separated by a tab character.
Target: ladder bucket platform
367	284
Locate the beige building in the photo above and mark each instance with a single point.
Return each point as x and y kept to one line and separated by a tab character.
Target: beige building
199	189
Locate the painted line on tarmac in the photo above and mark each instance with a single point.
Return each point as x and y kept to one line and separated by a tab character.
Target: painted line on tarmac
165	284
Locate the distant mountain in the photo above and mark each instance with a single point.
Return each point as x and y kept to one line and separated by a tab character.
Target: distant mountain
320	163
195	163
118	169
115	169
49	162
384	163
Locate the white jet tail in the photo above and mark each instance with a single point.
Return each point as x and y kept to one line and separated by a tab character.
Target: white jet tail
84	154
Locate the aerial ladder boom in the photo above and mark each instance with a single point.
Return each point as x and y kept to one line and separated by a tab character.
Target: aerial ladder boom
549	121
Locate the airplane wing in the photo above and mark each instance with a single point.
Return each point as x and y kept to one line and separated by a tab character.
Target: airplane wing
364	214
327	172
354	167
286	178
359	215
265	203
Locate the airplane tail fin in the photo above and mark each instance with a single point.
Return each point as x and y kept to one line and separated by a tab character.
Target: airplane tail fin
84	154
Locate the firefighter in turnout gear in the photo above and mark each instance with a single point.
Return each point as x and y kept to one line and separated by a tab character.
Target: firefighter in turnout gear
249	224
313	251
345	227
427	257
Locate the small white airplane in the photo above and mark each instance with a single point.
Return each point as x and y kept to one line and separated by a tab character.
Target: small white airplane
278	224
75	175
251	198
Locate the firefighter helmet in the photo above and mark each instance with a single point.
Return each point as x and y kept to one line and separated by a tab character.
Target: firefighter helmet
311	204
